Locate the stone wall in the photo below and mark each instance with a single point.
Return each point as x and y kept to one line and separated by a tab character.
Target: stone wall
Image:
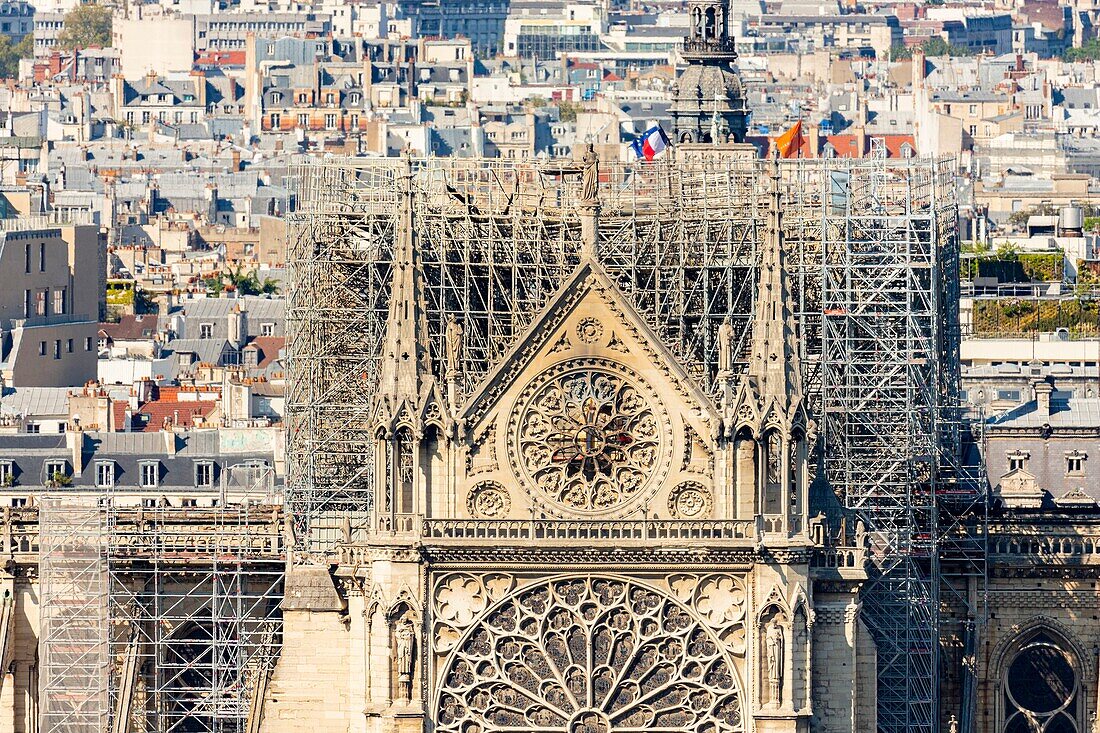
835	660
1070	608
309	688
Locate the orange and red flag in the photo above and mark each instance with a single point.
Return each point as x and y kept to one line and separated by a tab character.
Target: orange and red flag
790	142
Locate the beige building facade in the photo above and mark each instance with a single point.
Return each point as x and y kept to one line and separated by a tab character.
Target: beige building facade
49	303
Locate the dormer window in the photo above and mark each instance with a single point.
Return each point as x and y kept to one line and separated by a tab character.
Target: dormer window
105	474
204	474
1075	463
1017	460
55	472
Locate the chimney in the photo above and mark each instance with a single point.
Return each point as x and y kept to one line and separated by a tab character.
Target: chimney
74	441
919	70
211	204
814	139
1043	390
200	88
368	80
238	327
118	93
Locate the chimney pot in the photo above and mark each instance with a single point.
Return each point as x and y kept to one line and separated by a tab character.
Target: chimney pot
1043	390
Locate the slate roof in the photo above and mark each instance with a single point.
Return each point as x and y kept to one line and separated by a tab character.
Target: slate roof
1076	412
35	401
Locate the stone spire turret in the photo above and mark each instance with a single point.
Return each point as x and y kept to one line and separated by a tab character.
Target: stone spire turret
765	417
774	369
406	364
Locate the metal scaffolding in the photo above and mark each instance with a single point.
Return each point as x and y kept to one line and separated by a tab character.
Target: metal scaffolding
194	608
872	246
73	636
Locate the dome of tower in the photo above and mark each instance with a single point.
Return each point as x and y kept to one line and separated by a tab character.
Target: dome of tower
701	84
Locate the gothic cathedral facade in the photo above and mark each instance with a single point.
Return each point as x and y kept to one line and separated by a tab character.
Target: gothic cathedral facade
590	542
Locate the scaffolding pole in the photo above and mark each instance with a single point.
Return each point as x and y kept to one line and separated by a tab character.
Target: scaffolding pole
74	622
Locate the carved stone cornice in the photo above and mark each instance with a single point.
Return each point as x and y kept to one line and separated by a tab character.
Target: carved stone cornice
600	558
786	555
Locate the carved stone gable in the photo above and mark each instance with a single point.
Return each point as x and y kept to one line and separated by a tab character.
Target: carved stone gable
592	415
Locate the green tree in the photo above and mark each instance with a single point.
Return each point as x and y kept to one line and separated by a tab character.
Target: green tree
900	52
11	53
567	111
936	46
1089	51
86	26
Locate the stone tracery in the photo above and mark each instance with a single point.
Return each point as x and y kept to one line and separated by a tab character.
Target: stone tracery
594	654
589	436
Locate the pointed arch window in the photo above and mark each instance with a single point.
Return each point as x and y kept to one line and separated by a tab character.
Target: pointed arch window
794	464
1040	687
403	469
774	465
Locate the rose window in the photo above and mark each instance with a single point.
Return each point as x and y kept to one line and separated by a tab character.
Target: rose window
589	438
589	655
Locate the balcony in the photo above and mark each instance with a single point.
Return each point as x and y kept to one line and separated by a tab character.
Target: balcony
565	531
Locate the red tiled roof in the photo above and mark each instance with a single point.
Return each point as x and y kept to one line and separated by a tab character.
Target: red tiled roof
269	348
151	416
118	407
220	58
846	145
170	393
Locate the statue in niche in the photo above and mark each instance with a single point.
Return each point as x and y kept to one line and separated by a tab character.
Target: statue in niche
773	645
289	540
591	176
453	338
405	636
861	533
725	346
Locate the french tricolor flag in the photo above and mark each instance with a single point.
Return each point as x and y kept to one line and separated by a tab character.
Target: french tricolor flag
651	144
